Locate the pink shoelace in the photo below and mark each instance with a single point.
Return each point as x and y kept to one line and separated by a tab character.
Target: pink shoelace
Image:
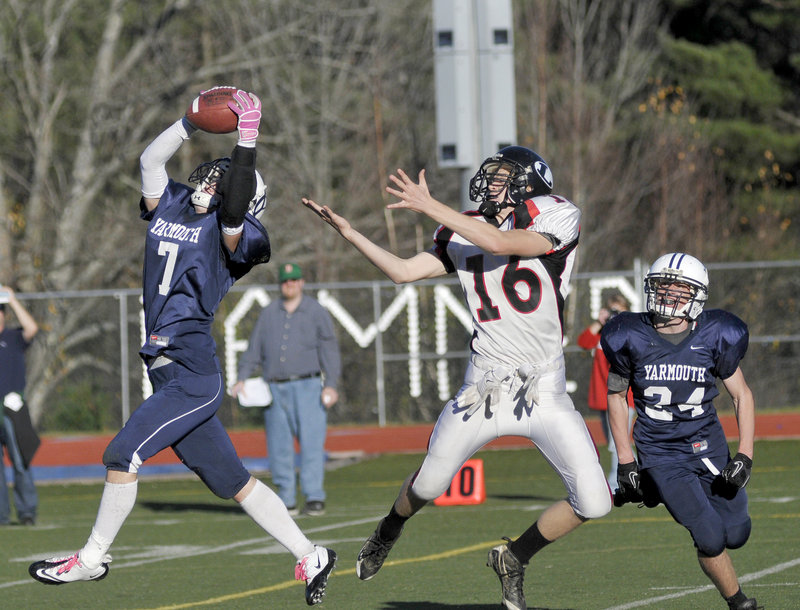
66	567
300	570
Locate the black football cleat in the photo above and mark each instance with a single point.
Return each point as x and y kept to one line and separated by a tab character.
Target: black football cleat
373	554
511	573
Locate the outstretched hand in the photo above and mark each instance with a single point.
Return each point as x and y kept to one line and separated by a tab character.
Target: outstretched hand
247	108
412	195
327	214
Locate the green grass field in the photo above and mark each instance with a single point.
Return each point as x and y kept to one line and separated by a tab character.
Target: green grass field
183	548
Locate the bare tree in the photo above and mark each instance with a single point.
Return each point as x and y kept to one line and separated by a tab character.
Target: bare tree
92	87
347	102
622	146
347	87
85	112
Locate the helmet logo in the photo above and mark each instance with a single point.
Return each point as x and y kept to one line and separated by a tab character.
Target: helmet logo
544	173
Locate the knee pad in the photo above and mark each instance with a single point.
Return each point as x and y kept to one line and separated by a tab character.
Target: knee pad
430	493
592	498
224	485
599	505
115	457
738	534
429	490
708	539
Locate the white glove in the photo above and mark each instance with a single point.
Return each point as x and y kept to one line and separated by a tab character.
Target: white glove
14	402
488	386
530	383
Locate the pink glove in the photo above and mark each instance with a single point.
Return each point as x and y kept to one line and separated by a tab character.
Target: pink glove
248	108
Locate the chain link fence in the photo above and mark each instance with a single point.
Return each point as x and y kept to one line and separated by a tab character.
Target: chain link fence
404	349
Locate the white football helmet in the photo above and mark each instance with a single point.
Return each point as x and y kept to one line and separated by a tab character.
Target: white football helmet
259	201
683	301
204	176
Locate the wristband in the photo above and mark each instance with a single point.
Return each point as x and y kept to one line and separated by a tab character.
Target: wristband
232	230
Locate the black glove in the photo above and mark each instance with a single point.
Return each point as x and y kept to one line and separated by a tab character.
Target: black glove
737	472
629	482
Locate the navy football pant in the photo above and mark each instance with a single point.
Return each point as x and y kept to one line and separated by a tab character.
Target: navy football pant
181	413
715	516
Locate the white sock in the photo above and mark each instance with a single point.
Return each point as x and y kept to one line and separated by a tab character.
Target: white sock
268	510
115	506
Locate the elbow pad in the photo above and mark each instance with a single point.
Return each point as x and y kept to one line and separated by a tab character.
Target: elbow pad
238	186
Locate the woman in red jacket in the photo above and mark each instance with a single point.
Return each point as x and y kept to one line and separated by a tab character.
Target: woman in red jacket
589	339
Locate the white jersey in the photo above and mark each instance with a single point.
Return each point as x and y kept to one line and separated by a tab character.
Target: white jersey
517	304
515	384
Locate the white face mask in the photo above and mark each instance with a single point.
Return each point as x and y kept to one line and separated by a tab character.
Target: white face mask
672	300
206	176
205	193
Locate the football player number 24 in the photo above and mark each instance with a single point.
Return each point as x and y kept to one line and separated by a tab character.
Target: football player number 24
693	404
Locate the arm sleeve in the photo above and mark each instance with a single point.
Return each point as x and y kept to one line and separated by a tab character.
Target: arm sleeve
616	383
238	186
153	161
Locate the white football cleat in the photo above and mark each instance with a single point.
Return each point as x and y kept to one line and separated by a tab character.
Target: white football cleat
61	570
315	568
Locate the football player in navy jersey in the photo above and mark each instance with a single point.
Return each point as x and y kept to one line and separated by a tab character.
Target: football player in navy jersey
199	241
514	257
671	356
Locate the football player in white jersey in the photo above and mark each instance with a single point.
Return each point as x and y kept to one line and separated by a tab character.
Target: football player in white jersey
514	257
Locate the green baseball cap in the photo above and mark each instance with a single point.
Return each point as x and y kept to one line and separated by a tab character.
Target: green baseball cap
289	271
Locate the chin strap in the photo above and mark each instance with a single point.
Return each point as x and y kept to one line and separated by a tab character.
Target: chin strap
490	210
660	320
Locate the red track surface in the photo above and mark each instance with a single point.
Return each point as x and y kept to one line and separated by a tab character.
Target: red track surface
80	450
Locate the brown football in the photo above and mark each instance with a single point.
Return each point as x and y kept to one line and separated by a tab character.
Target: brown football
209	111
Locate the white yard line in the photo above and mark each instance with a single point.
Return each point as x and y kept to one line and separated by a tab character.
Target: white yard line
742	579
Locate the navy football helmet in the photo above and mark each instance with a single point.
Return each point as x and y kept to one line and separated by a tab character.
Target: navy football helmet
689	292
519	170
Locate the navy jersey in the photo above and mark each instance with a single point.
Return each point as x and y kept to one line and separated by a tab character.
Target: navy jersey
674	385
187	272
